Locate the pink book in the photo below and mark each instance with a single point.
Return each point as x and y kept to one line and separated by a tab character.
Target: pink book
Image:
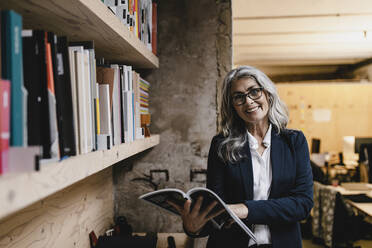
4	125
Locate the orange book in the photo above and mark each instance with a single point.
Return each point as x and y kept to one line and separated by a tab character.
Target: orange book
131	11
50	77
136	16
54	146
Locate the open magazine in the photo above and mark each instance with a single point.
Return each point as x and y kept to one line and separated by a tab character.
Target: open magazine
160	198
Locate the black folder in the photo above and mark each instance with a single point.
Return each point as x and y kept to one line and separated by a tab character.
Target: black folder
64	99
35	82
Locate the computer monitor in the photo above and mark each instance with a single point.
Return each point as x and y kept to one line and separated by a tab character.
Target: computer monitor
361	140
315	145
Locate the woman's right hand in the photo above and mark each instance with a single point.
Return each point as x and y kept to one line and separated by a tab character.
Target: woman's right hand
194	219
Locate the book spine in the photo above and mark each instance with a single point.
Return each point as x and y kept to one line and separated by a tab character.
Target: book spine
4	125
104	106
82	100
64	99
121	84
133	117
1	44
52	103
71	56
13	71
154	28
136	17
89	111
94	92
116	115
98	118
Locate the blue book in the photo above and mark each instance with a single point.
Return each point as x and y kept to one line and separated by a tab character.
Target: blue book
12	67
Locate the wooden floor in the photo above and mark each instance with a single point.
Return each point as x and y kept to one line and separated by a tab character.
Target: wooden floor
361	243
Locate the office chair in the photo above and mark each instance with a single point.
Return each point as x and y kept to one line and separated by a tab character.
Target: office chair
365	157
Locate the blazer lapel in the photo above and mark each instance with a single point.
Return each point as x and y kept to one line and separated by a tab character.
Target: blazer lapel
276	157
247	173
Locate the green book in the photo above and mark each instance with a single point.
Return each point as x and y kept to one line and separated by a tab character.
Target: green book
12	69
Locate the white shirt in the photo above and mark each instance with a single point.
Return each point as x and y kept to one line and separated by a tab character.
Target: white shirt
262	175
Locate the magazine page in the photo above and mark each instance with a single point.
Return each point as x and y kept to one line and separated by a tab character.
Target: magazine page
208	197
160	198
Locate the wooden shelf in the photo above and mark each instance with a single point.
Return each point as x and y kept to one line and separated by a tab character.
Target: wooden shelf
84	20
21	190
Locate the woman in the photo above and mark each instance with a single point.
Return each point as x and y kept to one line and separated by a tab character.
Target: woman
257	166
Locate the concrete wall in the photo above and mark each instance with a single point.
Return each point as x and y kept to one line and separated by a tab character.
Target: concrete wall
195	48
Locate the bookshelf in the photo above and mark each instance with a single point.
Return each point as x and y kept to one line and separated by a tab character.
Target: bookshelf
30	202
86	20
21	190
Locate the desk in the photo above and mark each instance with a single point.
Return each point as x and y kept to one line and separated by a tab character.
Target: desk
364	209
345	191
333	214
333	174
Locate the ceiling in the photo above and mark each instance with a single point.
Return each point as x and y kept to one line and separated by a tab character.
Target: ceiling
303	36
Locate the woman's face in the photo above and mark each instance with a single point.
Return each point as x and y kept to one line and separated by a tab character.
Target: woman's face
252	111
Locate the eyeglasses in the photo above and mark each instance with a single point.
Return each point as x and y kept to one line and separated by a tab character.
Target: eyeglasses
254	94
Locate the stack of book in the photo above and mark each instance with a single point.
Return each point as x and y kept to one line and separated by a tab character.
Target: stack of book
119	84
55	102
139	16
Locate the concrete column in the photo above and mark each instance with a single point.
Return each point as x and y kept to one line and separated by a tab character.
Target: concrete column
194	49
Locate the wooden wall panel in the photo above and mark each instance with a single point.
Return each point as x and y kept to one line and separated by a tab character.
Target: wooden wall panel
65	218
349	105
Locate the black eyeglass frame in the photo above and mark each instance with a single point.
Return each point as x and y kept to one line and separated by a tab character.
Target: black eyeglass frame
261	89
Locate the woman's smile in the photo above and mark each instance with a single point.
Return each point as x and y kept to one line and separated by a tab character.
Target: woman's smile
251	110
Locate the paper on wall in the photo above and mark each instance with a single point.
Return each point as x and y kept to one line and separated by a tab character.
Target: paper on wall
322	115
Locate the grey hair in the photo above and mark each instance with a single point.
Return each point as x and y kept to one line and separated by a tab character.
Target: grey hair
232	126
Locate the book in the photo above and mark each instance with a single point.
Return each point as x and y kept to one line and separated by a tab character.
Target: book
71	58
116	114
136	105
51	39
122	11
64	100
89	46
154	28
147	23
62	87
106	76
161	197
12	69
104	108
89	105
122	82
128	104
82	90
128	116
4	125
36	85
1	43
54	141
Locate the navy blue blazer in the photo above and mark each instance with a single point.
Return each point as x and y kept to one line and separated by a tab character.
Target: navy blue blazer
291	194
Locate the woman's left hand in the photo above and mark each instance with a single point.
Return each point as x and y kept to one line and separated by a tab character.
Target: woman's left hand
239	209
